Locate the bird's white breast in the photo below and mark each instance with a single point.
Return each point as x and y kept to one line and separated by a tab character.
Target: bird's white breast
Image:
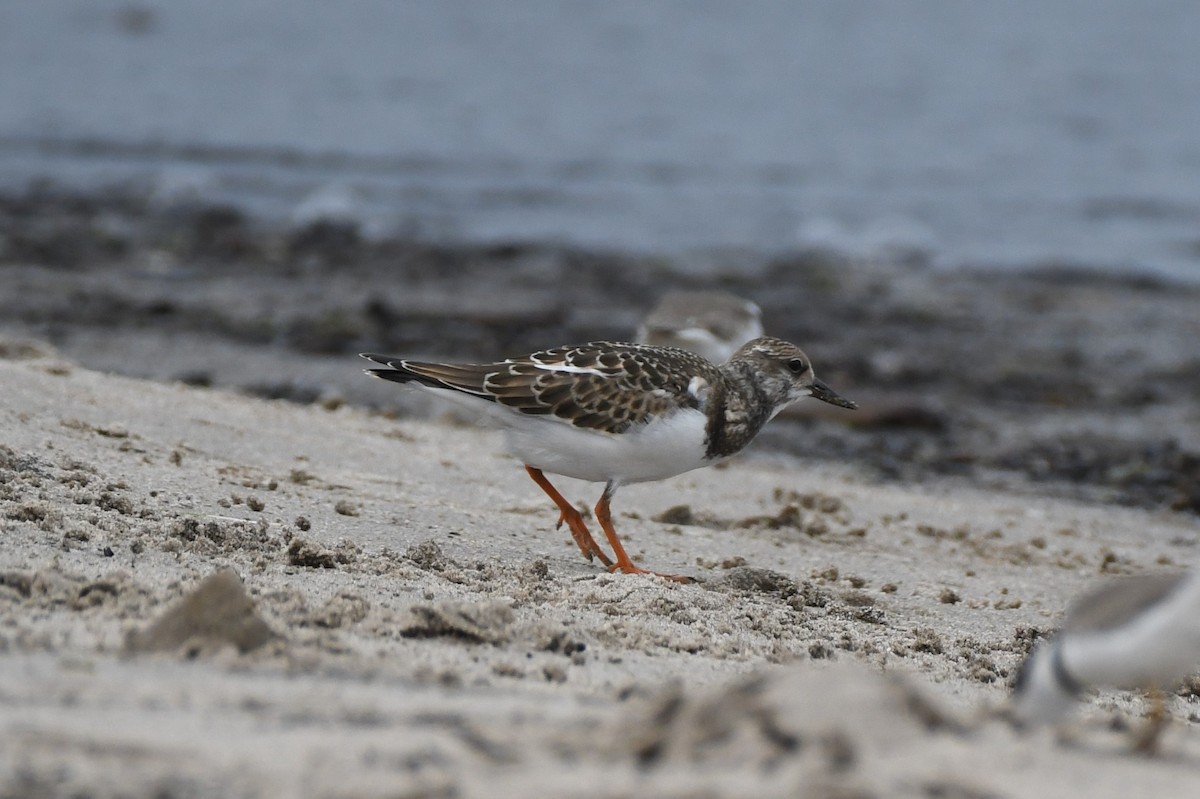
1156	648
664	447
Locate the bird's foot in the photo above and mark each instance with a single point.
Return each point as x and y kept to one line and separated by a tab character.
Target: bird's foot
628	567
567	513
583	538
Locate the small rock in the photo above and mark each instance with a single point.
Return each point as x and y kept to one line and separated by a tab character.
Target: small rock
428	555
341	610
218	611
481	622
678	514
302	552
759	581
949	596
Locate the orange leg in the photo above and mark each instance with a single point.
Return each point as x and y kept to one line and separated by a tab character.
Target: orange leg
624	563
568	514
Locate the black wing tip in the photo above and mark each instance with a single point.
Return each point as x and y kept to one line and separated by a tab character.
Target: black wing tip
391	371
396	376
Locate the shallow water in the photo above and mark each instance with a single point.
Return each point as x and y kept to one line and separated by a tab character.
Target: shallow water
999	134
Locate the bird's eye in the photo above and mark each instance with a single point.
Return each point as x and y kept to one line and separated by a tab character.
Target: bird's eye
797	366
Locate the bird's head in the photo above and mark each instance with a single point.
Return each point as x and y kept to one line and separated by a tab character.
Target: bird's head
785	372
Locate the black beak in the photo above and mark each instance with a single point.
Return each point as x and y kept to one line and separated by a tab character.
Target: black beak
826	394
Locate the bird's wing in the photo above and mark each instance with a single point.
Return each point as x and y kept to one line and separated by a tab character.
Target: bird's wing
598	386
1118	601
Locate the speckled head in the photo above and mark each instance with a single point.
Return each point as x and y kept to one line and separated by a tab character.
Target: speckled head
785	372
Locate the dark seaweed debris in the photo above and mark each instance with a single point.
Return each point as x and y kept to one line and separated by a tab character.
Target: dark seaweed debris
960	373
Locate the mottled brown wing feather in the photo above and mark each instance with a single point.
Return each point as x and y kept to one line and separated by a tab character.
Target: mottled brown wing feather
633	384
628	384
462	377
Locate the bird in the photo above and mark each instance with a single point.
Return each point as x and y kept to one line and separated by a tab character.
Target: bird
1135	633
619	413
709	323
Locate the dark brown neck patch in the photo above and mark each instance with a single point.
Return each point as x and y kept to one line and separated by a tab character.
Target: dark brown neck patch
737	410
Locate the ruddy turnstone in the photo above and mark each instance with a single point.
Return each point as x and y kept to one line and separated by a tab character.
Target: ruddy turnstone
712	324
1135	633
617	413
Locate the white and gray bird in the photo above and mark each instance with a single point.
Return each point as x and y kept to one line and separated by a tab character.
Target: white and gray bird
1132	633
712	324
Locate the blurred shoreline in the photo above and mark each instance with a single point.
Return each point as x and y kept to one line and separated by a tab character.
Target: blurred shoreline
1009	138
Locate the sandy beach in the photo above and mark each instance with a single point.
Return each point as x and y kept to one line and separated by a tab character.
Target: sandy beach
234	566
389	610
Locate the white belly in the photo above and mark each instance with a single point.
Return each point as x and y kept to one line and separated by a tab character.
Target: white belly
1158	648
660	449
663	448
